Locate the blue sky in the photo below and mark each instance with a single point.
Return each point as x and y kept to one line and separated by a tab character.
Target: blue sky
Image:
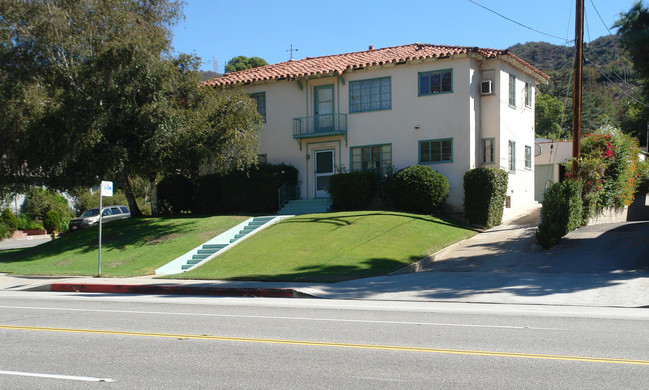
267	28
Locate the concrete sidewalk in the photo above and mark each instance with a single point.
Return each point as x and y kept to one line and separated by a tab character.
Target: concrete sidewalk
602	265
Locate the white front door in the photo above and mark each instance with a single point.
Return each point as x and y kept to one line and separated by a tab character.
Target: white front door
324	169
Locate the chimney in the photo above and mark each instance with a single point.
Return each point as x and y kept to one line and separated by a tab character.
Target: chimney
371	48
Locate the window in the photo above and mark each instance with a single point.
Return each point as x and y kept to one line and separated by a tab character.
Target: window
488	150
262	158
529	92
260	98
439	81
370	95
376	158
511	156
528	157
512	91
436	151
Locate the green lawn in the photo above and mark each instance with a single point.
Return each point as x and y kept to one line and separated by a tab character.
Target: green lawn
333	247
130	247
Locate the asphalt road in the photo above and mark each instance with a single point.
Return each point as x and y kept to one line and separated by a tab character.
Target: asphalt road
87	341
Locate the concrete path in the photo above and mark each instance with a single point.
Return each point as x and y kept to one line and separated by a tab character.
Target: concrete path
602	265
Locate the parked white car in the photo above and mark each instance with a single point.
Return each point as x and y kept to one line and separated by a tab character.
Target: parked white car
91	217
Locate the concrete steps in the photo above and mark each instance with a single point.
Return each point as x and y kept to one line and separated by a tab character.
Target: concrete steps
306	206
216	245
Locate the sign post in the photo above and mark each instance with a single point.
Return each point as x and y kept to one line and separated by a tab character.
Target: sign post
106	190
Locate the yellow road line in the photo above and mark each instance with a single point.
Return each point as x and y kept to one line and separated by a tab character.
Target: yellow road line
337	345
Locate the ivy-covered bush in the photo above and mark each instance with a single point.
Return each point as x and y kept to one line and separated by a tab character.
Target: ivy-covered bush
609	160
26	223
175	195
352	190
52	221
642	174
562	212
418	189
485	190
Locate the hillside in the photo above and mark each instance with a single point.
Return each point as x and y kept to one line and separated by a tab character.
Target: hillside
608	80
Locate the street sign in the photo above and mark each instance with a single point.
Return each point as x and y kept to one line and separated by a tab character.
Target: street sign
106	188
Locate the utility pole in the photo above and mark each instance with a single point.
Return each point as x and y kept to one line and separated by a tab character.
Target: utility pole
576	93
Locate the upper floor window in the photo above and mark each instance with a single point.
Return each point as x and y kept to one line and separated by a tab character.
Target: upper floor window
511	156
529	92
488	150
370	95
260	98
376	158
436	151
528	157
434	82
512	90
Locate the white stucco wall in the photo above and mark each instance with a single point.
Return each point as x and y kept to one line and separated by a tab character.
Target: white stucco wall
463	115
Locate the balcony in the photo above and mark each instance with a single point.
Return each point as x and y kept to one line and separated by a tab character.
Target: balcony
320	126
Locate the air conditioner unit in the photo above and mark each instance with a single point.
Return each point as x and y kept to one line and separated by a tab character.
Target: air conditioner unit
486	87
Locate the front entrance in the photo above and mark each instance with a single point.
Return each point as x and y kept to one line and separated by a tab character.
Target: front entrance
323	109
324	169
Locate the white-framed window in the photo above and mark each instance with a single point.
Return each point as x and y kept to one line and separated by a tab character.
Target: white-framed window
529	92
260	99
434	82
512	91
528	157
376	158
436	151
370	95
511	156
488	150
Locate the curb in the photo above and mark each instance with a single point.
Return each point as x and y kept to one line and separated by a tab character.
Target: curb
167	289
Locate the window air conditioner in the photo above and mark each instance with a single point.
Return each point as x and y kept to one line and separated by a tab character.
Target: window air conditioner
486	87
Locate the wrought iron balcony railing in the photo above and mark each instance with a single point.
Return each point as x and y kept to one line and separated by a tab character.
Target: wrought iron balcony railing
320	126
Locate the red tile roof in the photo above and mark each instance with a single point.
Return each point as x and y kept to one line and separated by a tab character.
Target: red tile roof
339	63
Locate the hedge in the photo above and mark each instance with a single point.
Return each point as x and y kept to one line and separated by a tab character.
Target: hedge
353	190
485	190
562	212
418	189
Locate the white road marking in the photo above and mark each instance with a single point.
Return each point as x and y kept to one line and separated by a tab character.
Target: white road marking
285	318
52	376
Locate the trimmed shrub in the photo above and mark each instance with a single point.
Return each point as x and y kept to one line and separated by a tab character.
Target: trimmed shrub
485	190
26	223
418	189
5	231
353	190
52	221
9	220
175	195
208	194
562	212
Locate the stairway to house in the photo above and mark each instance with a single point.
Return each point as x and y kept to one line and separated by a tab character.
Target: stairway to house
306	206
216	245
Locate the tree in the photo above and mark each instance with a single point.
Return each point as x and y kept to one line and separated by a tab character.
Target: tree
89	92
549	116
633	28
242	63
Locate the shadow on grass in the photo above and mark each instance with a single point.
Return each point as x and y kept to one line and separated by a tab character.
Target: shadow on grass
115	235
332	273
345	218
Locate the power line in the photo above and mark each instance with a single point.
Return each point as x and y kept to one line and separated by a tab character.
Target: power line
520	24
600	18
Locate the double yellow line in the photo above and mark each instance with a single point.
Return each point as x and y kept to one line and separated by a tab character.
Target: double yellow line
336	345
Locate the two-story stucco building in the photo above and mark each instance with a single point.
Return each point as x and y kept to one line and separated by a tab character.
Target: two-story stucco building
452	108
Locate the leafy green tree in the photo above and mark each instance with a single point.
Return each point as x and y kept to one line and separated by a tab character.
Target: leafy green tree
39	201
549	116
633	28
91	92
242	63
